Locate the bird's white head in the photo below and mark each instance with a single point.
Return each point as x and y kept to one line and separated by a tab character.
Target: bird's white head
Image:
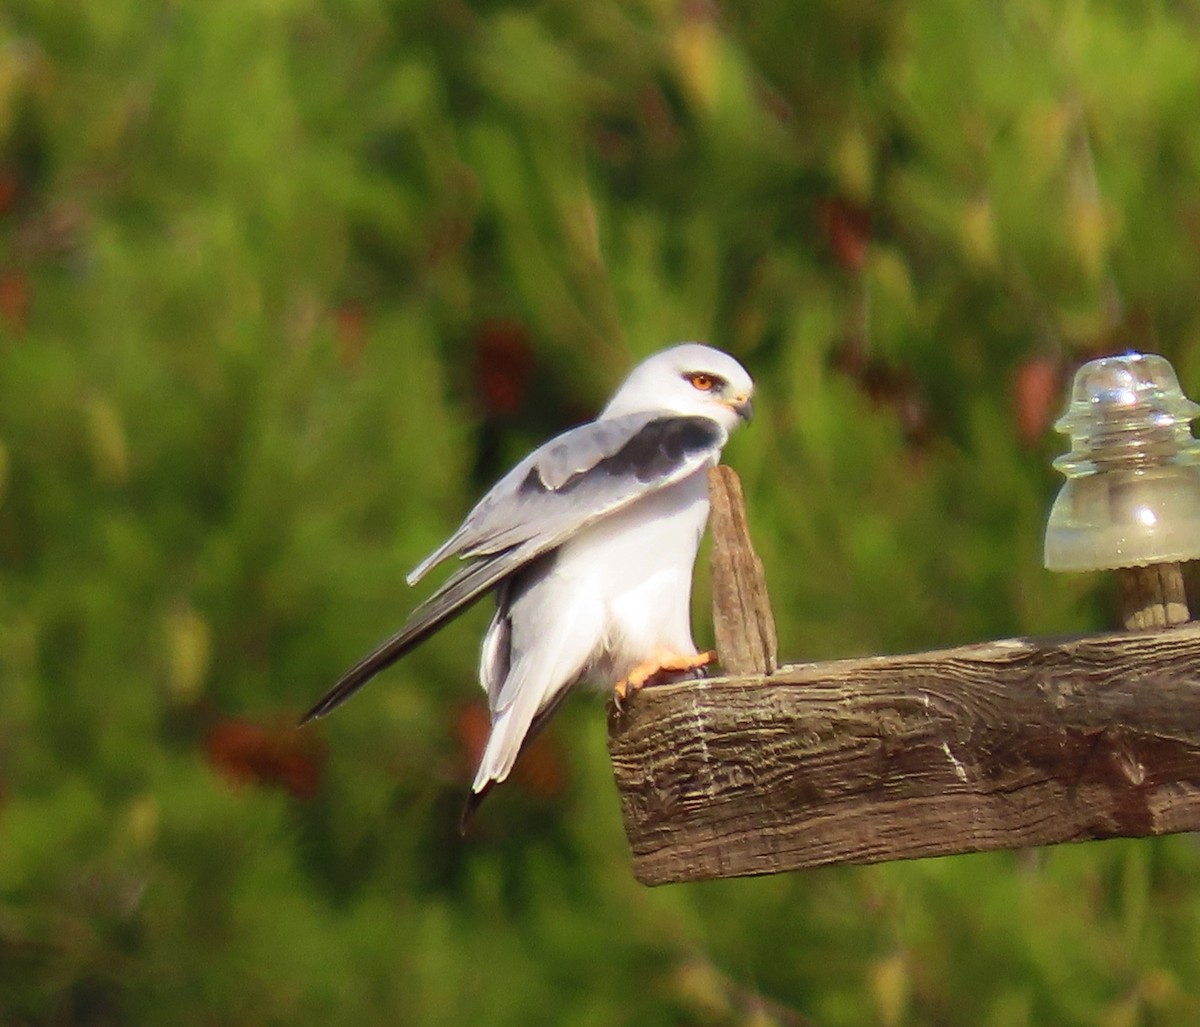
689	379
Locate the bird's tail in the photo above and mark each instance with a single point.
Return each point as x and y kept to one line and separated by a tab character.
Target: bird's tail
512	731
483	782
509	731
539	676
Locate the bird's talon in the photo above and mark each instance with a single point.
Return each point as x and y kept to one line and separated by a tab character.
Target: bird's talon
620	692
653	671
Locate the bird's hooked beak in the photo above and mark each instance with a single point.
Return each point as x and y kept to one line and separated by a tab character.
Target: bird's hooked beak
743	407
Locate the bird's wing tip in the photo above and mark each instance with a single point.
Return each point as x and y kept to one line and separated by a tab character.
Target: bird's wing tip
329	702
316	713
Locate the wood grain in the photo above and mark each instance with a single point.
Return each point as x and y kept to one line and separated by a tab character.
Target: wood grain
1000	745
742	620
1152	597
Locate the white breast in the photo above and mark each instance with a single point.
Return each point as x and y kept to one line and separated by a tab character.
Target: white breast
638	564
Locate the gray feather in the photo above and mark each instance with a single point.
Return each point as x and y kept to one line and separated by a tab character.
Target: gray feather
563	487
578	477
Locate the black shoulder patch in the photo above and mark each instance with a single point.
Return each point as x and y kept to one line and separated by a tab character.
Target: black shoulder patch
656	450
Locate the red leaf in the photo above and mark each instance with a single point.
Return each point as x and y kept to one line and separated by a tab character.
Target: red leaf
847	227
277	756
1037	392
503	367
350	333
9	188
14	299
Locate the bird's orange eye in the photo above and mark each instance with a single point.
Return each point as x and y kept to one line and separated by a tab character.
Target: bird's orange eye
703	382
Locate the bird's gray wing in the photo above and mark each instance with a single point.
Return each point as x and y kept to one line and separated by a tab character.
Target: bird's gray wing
569	483
517	502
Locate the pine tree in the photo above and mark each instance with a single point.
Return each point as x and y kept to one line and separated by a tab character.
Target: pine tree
284	286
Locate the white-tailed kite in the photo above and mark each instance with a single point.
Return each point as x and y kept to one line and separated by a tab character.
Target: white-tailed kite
588	544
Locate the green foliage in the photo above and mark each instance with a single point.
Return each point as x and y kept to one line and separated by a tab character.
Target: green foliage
283	285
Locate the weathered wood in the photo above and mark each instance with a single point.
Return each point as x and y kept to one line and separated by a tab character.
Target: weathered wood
742	620
1000	745
1152	597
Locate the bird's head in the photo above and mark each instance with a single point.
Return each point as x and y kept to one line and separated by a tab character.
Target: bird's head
690	379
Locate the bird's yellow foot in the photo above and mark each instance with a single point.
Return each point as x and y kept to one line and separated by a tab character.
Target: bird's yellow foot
667	663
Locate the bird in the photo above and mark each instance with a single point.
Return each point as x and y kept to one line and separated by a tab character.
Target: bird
588	545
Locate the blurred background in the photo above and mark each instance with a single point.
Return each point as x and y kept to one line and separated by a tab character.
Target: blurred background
285	284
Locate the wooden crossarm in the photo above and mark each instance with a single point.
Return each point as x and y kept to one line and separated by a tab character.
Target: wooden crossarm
992	746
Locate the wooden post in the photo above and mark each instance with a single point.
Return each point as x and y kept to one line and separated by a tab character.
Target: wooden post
742	617
999	745
1152	597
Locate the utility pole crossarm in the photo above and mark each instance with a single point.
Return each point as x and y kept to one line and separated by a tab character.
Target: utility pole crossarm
993	746
999	745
